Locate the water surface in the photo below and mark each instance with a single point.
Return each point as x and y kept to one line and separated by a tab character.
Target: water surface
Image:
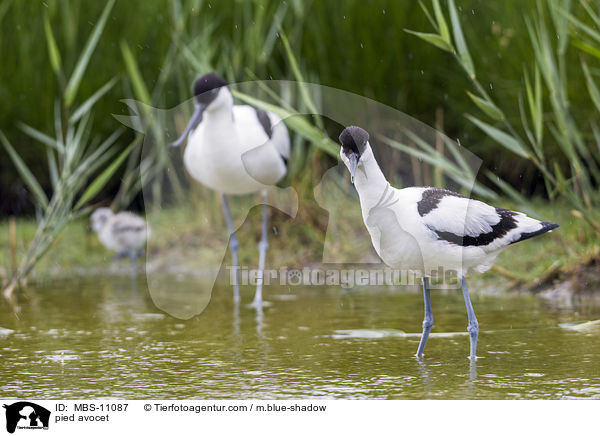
105	338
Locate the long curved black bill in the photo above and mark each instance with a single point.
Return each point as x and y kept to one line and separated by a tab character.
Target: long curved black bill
353	158
194	121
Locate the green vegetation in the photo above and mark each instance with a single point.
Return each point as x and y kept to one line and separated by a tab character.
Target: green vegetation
73	156
575	173
156	49
530	98
78	252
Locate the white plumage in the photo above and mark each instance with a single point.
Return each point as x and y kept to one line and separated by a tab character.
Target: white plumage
230	152
425	229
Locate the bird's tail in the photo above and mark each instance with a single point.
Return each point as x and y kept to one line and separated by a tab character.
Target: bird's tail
531	228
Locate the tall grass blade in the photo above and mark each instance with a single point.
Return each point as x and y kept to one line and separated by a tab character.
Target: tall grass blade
459	40
455	173
500	137
434	39
273	30
586	48
593	15
508	190
429	17
90	102
53	51
103	178
296	122
80	140
525	125
441	21
300	79
99	156
538	120
52	167
458	157
561	24
42	137
86	54
139	86
582	26
534	100
487	106
58	125
591	85
27	175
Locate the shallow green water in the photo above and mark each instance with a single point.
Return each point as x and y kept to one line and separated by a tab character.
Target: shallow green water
103	339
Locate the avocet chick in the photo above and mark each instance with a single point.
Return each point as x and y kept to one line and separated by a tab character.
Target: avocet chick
124	232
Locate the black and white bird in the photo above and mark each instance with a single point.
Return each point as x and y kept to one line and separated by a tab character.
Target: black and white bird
424	228
234	150
124	232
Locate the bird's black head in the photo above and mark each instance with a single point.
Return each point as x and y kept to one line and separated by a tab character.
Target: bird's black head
354	143
206	91
207	87
354	140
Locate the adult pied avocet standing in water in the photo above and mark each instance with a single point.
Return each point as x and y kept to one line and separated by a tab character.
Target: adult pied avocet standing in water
423	228
125	233
234	150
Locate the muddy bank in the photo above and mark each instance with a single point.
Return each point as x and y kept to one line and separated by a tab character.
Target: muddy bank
581	283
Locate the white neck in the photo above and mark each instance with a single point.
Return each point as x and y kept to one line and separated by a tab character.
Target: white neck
220	109
222	116
369	181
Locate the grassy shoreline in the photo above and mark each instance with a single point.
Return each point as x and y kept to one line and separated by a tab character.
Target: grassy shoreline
185	238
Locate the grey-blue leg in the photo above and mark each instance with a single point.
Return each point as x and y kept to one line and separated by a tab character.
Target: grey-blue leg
473	370
133	257
121	255
428	320
233	246
473	327
262	250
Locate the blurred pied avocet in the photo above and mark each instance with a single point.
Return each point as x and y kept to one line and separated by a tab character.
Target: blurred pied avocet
234	150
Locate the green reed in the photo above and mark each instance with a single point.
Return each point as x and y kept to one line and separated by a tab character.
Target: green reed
546	81
79	163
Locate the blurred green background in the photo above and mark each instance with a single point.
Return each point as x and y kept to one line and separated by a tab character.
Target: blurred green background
359	46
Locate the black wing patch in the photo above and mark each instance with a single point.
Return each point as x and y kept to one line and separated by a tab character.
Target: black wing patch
431	198
546	227
265	121
507	223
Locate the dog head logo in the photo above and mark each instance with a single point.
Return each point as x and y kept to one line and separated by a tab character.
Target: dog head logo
26	415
